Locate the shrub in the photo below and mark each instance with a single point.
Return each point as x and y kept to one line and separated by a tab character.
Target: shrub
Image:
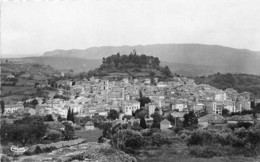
244	124
69	132
48	149
107	151
195	139
77	127
150	132
124	139
159	139
223	138
247	138
232	126
207	137
177	129
54	125
54	135
184	137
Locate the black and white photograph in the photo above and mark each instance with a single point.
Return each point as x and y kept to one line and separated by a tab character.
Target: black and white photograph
130	80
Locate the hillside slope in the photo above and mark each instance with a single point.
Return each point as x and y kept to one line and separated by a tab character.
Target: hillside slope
136	66
239	82
84	65
223	59
63	63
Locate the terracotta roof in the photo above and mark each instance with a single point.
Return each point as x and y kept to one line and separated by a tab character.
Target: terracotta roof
165	121
89	123
241	118
212	118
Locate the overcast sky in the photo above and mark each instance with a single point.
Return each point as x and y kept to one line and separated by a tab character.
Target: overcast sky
35	27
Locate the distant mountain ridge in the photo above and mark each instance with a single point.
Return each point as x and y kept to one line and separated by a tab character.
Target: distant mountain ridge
64	63
220	58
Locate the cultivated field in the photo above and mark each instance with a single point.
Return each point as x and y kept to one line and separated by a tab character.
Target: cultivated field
90	135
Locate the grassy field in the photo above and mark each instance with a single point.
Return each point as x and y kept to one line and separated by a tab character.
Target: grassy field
90	135
13	94
16	89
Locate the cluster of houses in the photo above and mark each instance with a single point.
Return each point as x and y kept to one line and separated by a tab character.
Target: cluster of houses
97	96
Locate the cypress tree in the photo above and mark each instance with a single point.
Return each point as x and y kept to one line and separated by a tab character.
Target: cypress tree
143	123
68	114
72	116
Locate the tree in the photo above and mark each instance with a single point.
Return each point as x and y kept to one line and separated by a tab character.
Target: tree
69	132
48	118
136	113
36	84
28	129
113	115
54	135
143	101
140	94
171	119
190	119
72	116
60	119
22	133
128	117
225	112
136	126
166	71
68	114
248	138
256	107
126	139
34	102
157	118
143	123
246	125
3	107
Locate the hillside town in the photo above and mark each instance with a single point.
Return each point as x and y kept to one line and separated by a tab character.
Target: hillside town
97	96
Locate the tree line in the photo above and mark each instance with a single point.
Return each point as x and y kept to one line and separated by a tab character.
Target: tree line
130	61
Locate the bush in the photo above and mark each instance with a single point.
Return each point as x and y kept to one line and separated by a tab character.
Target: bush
195	139
69	132
177	129
77	127
48	149
223	138
150	132
232	126
54	135
244	124
209	137
184	137
107	151
159	139
127	139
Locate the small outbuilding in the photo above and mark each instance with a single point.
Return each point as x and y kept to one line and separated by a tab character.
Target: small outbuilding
89	126
165	124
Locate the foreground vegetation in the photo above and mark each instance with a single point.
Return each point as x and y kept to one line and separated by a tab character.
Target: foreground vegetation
186	142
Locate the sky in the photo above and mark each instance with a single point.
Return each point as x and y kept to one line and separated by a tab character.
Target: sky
33	27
